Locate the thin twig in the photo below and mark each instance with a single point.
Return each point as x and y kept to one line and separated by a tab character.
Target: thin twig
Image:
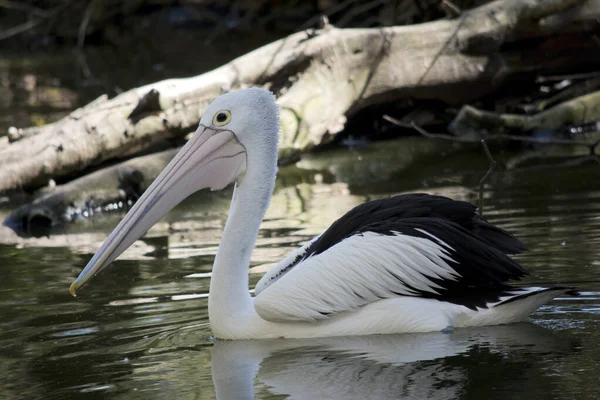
572	162
358	10
587	75
451	9
85	67
33	10
498	136
16	30
451	41
399	123
491	168
332	10
385	47
593	147
423	132
596	39
87	15
530	139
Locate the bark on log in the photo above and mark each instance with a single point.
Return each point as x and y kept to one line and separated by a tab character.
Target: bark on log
320	77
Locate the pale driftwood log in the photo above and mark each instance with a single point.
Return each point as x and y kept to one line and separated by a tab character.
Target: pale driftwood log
320	77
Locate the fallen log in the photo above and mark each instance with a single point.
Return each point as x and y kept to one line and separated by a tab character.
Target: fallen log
477	124
569	130
320	77
112	190
108	189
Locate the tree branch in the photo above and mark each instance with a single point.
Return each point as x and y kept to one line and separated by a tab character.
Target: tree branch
491	168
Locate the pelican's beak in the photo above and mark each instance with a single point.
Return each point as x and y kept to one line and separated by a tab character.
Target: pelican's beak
210	159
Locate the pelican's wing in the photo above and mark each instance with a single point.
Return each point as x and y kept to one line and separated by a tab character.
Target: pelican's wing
283	266
413	245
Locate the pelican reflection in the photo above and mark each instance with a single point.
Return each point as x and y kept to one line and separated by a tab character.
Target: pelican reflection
407	366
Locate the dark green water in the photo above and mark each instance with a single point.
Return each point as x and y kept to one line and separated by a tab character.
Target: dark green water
140	330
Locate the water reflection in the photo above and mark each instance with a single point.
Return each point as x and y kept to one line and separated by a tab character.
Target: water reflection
413	366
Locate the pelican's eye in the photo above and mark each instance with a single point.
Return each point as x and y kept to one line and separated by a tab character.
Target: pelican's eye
222	118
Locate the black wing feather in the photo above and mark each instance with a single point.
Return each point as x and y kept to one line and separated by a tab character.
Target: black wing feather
480	248
483	269
377	213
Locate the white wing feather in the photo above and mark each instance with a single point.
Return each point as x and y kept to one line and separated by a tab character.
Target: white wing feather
356	271
278	270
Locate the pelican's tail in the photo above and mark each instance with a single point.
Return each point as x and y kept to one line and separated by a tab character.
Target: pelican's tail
514	307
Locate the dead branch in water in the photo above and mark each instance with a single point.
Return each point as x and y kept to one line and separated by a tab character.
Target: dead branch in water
320	77
519	159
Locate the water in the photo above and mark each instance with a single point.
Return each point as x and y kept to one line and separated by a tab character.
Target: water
140	329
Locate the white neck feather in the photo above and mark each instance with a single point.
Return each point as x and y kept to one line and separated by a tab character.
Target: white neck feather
229	299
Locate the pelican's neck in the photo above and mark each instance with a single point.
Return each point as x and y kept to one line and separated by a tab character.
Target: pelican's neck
229	297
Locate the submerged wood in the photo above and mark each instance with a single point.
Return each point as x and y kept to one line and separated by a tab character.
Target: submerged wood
107	189
475	123
320	77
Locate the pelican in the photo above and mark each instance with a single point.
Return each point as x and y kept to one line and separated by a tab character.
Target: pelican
409	263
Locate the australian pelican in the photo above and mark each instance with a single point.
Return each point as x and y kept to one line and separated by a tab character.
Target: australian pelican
411	263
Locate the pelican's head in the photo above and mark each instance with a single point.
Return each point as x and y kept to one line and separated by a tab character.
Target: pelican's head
237	131
251	115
